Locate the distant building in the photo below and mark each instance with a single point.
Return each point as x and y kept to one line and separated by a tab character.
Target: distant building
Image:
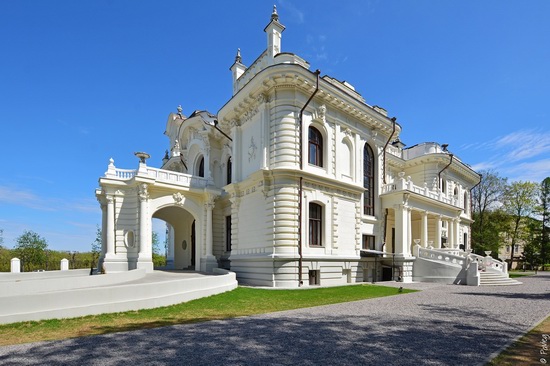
295	181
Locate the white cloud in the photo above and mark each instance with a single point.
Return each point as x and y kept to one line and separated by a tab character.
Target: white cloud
21	197
520	155
293	12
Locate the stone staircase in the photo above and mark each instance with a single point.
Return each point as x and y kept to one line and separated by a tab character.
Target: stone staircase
496	278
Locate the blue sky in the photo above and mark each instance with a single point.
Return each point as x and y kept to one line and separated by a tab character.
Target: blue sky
84	81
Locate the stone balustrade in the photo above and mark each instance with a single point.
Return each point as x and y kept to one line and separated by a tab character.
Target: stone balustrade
489	262
402	184
440	255
160	175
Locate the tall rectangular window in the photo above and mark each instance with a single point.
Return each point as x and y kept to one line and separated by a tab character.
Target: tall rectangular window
368	180
315	147
228	233
315	224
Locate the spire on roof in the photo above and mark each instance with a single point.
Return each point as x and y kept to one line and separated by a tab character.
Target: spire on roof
274	15
238	56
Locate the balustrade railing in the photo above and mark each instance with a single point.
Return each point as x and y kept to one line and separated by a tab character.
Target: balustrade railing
488	262
160	175
402	184
439	255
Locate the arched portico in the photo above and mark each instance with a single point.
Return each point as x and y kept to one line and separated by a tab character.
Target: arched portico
183	237
131	199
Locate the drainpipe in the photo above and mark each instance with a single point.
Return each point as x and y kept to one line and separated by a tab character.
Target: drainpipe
384	152
439	174
300	187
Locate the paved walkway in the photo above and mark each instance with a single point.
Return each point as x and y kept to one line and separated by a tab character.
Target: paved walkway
441	325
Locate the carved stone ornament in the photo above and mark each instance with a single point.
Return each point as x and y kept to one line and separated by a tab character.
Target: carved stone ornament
322	112
143	193
252	150
247	116
346	131
178	198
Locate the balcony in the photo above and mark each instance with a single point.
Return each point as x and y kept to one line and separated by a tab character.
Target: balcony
158	175
405	184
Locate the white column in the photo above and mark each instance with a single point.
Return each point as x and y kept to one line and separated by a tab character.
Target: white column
145	250
110	227
209	262
437	243
409	232
401	230
170	247
145	256
424	229
209	207
456	230
451	233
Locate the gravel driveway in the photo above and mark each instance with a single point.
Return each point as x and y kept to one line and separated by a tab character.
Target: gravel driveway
441	325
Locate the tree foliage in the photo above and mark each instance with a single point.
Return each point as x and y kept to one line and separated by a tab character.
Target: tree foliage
519	202
486	198
544	212
31	250
96	245
159	260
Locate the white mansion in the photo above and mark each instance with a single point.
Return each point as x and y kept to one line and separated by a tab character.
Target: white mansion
296	181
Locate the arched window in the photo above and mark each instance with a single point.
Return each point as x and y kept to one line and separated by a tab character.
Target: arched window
315	225
465	201
201	167
229	167
368	180
443	186
315	147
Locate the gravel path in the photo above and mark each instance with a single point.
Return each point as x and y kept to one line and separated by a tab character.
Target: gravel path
441	325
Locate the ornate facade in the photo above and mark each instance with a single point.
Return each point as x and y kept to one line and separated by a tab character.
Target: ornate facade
296	181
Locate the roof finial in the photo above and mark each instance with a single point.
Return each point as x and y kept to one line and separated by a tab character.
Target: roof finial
238	57
274	15
179	111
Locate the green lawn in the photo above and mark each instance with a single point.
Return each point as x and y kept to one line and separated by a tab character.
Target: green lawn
515	274
242	301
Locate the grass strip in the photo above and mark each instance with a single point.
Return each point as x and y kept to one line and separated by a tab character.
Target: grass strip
531	349
520	274
243	301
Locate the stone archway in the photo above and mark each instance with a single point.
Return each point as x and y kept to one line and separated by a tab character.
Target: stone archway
180	237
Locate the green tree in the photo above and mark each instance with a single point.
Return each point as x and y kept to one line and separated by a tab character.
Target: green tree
159	260
96	245
31	249
519	201
544	211
486	198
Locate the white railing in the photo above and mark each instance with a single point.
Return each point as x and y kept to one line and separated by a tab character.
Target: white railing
395	151
160	175
183	179
402	184
439	255
125	174
488	262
